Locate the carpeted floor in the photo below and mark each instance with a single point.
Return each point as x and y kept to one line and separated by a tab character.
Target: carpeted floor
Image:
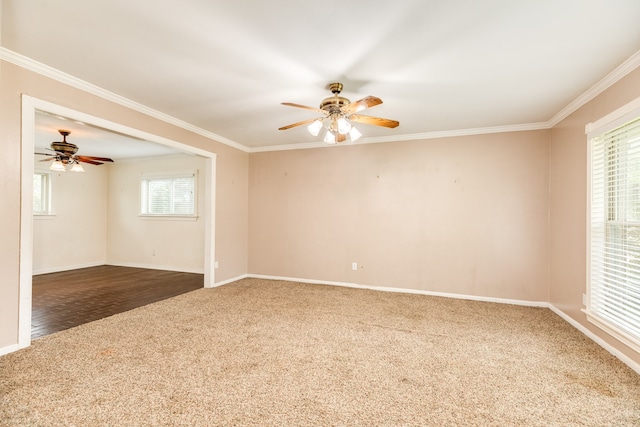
274	353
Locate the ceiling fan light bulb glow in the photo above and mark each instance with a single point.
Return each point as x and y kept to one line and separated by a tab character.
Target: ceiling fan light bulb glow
343	126
77	167
314	128
57	166
354	134
330	138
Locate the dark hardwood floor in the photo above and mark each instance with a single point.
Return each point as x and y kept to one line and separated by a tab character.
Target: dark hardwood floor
70	298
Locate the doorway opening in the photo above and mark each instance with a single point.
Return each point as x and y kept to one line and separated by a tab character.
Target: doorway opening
30	108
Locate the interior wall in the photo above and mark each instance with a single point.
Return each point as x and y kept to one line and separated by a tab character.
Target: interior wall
75	235
231	244
9	211
568	204
465	215
163	243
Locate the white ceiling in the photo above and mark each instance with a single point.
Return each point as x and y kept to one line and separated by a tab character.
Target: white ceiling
438	65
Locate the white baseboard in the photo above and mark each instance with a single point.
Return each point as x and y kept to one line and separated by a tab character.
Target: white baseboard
602	343
226	282
406	291
118	264
9	349
65	268
157	267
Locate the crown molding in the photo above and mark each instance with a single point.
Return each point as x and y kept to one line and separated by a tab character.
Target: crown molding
605	83
50	72
409	137
296	146
614	76
463	132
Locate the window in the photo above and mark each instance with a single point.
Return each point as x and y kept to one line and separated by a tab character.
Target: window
41	193
168	195
614	270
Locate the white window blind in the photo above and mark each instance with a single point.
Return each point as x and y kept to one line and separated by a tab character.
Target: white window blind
614	289
168	196
41	193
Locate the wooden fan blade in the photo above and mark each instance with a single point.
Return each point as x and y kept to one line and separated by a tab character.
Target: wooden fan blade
377	121
341	138
317	110
47	160
102	159
45	154
92	162
304	122
362	104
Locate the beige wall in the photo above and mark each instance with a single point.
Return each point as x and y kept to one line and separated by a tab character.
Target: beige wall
76	234
9	210
568	203
163	243
231	176
466	215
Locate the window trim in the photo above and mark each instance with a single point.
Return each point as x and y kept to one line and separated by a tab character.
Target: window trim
611	121
45	214
169	175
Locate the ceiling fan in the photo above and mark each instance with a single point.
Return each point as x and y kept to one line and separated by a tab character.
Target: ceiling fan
64	153
337	113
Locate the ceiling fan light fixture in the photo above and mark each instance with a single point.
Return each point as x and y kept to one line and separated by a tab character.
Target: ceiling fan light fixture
57	166
77	167
343	126
338	116
354	134
314	128
330	138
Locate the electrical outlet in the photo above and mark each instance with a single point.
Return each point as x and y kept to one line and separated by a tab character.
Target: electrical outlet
354	266
215	264
584	299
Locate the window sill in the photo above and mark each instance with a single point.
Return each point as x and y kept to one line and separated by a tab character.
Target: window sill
43	216
612	330
169	217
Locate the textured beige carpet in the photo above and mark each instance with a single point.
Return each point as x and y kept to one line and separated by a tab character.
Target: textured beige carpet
274	353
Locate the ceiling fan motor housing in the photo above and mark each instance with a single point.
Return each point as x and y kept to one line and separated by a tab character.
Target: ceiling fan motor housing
64	147
333	104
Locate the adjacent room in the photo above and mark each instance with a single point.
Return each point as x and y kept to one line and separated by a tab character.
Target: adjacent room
361	213
148	245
